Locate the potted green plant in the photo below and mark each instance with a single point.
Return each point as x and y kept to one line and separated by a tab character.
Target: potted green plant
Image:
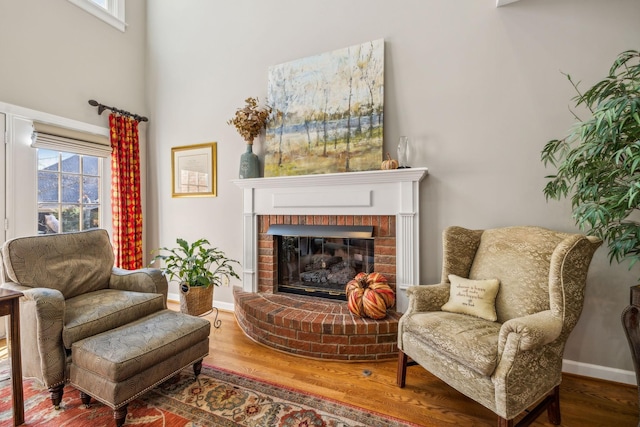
598	167
198	267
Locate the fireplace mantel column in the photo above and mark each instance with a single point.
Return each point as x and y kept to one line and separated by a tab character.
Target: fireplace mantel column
250	239
407	247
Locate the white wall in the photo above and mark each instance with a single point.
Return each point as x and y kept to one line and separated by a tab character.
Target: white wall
55	57
478	89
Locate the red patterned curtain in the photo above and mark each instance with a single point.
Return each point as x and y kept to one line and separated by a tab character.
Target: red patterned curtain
125	192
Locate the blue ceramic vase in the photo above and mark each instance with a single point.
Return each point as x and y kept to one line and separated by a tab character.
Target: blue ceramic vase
249	164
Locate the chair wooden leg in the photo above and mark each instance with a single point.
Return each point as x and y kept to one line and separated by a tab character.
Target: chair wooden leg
553	410
86	399
56	395
120	415
197	367
551	403
402	369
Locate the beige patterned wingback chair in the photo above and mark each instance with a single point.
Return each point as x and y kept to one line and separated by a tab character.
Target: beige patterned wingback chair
513	363
72	291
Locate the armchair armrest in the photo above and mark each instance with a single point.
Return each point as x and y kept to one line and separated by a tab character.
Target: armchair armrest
427	297
149	280
535	330
41	323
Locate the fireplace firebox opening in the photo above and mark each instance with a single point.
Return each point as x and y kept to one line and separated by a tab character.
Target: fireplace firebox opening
318	260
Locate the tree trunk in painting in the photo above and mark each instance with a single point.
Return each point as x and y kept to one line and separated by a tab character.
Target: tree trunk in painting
348	137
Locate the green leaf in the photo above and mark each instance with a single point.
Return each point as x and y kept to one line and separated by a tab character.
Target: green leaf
597	164
194	263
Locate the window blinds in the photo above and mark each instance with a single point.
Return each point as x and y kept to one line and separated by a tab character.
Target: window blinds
57	138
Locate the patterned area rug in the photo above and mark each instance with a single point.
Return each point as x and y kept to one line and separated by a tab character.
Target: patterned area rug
217	398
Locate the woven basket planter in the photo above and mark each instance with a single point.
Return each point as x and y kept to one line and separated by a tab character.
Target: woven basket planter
196	300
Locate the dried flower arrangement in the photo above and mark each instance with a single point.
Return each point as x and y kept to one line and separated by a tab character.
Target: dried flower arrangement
250	120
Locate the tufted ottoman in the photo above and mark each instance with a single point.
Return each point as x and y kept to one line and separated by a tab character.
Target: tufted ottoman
119	365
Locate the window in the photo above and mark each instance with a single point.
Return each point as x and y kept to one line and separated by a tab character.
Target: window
110	11
102	3
68	191
70	164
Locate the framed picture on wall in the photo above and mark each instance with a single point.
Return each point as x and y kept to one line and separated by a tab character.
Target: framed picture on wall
193	170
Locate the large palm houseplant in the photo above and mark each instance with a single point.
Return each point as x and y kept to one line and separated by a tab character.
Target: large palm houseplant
598	167
198	267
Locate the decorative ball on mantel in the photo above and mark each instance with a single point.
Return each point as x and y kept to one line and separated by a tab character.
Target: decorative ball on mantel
369	295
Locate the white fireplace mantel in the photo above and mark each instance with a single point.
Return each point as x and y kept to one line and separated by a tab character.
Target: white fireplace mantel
383	192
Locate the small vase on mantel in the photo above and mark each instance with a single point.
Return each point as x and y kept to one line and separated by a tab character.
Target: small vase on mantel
404	152
249	164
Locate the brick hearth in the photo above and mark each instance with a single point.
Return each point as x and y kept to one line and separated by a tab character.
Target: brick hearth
315	327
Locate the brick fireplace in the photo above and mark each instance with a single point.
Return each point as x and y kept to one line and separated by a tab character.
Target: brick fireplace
317	327
384	235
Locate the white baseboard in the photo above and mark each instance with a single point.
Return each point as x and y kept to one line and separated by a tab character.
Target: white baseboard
226	306
600	372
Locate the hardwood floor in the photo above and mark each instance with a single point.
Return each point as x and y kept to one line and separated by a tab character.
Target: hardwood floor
425	400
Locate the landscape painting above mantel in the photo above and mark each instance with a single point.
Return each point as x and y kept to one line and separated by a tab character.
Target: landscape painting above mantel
330	112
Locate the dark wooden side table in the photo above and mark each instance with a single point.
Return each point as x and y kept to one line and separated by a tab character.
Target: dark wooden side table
9	305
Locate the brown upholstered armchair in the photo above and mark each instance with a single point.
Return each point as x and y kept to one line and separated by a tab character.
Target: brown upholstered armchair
509	359
72	291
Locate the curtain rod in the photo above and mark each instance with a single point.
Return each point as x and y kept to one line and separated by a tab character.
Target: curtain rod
102	107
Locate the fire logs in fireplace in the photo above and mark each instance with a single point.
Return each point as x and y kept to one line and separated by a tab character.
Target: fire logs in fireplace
319	260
